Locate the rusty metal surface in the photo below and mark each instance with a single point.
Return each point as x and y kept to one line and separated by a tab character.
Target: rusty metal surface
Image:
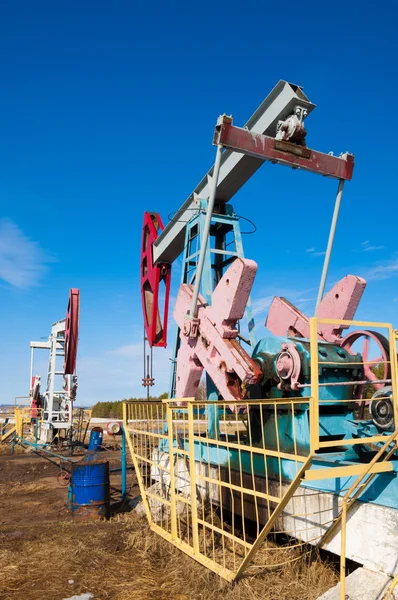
292	148
267	148
93	512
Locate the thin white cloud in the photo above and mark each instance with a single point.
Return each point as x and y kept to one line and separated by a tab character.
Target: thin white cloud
22	262
260	305
313	253
383	270
129	350
366	247
395	300
373	248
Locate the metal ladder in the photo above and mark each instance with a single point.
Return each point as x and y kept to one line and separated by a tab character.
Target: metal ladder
225	245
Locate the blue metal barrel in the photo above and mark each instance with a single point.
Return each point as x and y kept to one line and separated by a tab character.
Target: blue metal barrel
95	439
90	491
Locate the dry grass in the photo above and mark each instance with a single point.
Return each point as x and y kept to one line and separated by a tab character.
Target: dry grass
124	560
23	488
5	449
41	549
300	578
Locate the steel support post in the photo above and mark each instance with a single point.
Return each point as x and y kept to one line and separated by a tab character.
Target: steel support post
205	234
330	243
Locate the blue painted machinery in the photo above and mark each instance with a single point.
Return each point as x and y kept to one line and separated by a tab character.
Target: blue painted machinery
339	415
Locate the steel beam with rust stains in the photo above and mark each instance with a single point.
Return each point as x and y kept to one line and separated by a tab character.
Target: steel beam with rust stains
284	153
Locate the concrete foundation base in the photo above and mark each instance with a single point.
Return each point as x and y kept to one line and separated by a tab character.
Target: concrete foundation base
362	584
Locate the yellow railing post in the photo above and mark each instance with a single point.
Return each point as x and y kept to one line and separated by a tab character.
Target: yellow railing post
314	401
173	514
391	588
17	422
138	472
394	372
343	547
192	477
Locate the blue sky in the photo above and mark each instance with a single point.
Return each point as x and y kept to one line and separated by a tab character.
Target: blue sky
108	109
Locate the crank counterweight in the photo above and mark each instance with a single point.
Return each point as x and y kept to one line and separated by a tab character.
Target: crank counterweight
152	277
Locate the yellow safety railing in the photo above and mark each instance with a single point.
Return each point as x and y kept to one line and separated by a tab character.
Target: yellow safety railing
385	444
217	483
7	426
16	423
145	423
6	431
23	420
194	493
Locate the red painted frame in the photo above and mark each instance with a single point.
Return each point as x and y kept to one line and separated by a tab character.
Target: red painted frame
285	153
71	332
151	278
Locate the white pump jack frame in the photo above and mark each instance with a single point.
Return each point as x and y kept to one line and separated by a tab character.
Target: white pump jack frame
60	388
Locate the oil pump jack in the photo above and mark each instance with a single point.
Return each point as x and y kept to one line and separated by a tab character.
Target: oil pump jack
314	362
206	230
53	408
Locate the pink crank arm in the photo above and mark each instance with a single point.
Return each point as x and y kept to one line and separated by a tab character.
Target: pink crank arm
340	303
214	346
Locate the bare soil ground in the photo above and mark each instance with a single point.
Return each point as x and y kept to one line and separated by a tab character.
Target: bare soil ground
44	555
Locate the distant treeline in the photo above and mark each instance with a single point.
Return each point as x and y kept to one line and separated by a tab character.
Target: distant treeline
114	410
